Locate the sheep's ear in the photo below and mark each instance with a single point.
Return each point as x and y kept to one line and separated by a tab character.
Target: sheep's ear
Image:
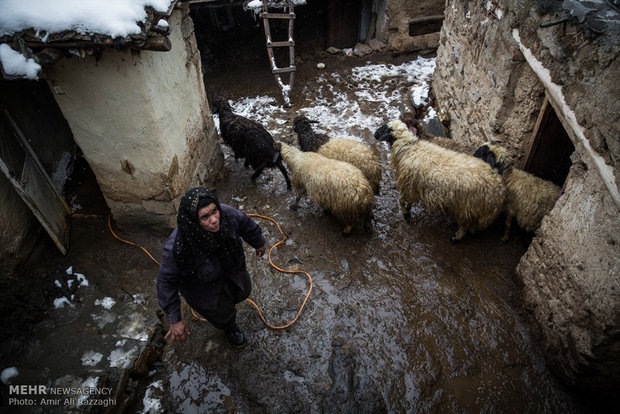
277	146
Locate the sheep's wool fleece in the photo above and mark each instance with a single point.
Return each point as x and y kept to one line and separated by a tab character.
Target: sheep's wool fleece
445	181
332	185
451	144
529	198
357	154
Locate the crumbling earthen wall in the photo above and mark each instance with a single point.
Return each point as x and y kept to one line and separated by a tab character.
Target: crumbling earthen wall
143	123
494	65
392	26
571	275
482	83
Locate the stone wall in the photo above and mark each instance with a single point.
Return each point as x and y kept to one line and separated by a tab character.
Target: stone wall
571	282
143	123
494	65
392	26
482	83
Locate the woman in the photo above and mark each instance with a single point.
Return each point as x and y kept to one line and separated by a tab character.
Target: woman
203	259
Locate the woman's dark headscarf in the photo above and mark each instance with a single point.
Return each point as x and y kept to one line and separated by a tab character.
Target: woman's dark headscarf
193	243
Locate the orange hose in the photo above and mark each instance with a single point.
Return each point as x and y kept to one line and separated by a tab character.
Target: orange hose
127	241
283	271
247	300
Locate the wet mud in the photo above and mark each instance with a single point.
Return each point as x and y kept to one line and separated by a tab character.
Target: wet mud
399	318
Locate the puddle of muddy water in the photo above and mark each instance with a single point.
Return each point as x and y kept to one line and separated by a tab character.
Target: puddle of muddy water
399	320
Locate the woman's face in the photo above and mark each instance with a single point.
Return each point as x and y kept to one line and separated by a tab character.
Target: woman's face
209	218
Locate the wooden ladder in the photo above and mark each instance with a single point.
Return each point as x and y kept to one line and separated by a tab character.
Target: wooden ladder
290	43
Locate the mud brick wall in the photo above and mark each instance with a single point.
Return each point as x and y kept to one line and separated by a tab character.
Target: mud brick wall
482	83
494	65
143	123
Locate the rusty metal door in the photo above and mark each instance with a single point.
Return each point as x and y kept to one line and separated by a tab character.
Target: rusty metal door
22	167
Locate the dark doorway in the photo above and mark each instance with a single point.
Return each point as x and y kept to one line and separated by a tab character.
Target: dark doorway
229	36
344	23
551	148
32	106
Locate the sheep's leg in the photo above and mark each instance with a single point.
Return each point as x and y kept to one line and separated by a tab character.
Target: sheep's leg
347	230
508	224
285	174
460	233
406	208
295	206
258	172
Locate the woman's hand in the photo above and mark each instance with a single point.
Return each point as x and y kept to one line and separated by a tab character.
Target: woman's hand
261	250
177	331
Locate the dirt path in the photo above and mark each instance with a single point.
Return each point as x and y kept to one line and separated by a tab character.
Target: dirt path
399	319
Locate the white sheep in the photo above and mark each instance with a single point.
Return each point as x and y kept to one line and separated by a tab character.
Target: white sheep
528	198
444	181
356	153
335	186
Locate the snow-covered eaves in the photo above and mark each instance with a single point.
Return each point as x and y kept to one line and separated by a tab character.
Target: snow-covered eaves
43	31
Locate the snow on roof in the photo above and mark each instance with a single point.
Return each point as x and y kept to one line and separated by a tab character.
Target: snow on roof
108	17
15	64
62	20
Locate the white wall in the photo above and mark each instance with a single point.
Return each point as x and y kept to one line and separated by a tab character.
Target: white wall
142	122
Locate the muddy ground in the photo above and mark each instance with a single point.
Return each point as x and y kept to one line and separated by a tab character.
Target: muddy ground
399	319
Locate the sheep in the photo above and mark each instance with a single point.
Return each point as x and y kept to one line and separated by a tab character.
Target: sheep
347	150
335	186
528	198
422	131
248	139
433	128
444	181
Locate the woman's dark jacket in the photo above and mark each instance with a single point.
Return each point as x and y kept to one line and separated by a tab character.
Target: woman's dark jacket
203	289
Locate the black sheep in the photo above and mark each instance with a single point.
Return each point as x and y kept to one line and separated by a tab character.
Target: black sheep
249	140
308	139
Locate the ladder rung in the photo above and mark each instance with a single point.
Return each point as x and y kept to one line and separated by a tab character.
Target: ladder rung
278	15
284	70
281	44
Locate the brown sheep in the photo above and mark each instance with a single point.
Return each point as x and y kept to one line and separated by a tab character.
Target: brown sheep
528	198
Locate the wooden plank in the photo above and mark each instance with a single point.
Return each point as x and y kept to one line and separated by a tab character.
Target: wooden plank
280	44
24	143
34	186
284	70
426	19
291	49
271	44
529	145
278	15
